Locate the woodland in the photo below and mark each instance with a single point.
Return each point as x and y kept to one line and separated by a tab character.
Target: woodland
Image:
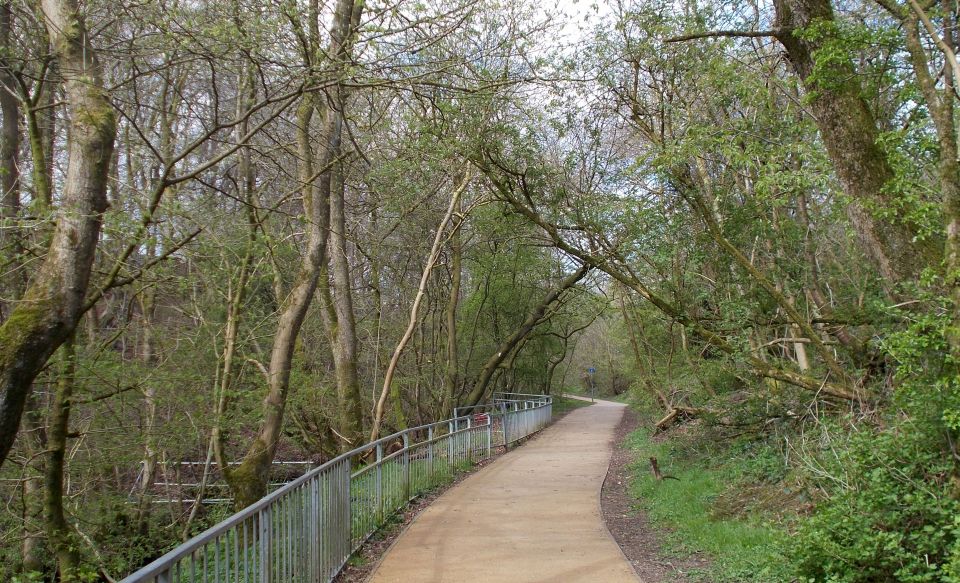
240	232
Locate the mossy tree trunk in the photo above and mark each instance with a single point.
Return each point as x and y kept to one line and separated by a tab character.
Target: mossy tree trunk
336	283
341	322
249	480
850	134
53	303
59	534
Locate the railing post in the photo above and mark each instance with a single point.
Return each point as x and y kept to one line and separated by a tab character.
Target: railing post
266	546
489	435
406	467
505	409
379	483
450	445
347	527
470	438
430	453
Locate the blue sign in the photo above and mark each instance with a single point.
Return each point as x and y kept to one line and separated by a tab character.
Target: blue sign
591	370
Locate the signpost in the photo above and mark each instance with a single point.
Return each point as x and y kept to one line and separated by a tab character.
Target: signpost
593	385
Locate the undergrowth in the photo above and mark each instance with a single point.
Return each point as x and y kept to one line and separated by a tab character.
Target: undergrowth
839	498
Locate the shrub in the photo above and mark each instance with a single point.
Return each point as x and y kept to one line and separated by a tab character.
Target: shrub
889	517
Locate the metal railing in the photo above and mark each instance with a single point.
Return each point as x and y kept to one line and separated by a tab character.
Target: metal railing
514	416
307	530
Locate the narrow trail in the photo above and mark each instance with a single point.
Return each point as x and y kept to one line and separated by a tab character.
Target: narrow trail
531	516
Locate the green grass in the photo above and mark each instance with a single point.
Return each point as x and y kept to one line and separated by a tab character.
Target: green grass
581	392
621	398
740	549
562	405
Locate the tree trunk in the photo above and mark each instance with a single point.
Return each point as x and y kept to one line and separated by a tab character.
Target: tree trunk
52	305
343	327
59	534
335	285
149	359
249	480
940	101
9	158
32	549
375	284
451	376
148	352
236	293
950	189
415	308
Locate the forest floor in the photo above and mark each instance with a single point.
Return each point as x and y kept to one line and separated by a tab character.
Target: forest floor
531	515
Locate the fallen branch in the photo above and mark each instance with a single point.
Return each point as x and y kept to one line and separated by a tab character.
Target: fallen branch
676	413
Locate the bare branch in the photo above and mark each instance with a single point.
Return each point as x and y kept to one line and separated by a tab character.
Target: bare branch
775	32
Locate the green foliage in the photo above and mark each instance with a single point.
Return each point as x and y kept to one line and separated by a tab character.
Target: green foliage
889	494
839	41
913	202
892	516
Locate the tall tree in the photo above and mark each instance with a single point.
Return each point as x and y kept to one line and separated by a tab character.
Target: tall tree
337	286
249	480
850	133
53	303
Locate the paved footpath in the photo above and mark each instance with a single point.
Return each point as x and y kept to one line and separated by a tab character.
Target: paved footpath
533	515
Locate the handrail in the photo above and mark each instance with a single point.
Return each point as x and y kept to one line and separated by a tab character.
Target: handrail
512	395
308	528
184	549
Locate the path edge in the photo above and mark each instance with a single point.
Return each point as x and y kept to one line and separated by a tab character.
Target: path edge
603	483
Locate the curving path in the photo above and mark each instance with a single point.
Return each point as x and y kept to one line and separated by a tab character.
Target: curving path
533	515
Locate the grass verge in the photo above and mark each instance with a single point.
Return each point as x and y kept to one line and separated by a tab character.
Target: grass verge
562	405
711	507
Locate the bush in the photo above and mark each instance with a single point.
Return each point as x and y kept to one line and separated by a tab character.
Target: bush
889	514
